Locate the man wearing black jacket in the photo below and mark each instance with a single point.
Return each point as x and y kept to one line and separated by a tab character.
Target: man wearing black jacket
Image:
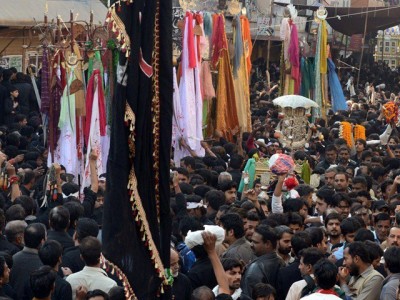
290	274
71	259
50	254
267	264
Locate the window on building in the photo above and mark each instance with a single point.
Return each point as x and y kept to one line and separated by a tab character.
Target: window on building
386	49
393	44
387	44
393	62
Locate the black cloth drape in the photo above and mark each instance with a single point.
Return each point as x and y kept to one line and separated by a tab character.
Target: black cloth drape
122	243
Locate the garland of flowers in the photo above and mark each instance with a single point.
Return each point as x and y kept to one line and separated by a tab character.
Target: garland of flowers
390	112
113	269
359	132
345	132
116	25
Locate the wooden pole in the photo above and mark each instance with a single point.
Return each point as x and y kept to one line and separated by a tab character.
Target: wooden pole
90	25
71	18
58	33
268	56
363	42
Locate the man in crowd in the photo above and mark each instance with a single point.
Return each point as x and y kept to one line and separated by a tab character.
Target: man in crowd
181	288
50	254
59	224
239	247
332	225
284	245
27	260
348	227
365	282
308	258
330	157
265	267
392	266
92	276
42	282
233	271
290	274
382	226
326	274
72	258
4	277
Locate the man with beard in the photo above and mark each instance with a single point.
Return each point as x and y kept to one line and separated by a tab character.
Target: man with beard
365	282
329	177
349	228
332	225
284	243
265	267
393	238
324	201
341	182
290	274
181	288
239	247
233	271
308	258
272	146
342	203
382	226
344	158
330	157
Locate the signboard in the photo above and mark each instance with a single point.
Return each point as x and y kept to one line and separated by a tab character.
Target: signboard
263	26
11	61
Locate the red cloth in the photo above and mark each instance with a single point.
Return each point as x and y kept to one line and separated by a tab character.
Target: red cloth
218	39
294	57
89	104
250	143
199	21
192	57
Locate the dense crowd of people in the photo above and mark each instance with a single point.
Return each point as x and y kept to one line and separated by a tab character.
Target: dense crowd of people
233	237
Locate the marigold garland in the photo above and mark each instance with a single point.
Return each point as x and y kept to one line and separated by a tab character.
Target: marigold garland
390	112
359	132
345	132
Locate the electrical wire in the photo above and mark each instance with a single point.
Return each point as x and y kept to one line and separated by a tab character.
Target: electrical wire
297	22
